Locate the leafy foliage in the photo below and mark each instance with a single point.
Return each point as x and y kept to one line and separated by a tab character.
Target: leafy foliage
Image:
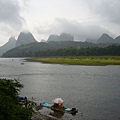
9	104
68	48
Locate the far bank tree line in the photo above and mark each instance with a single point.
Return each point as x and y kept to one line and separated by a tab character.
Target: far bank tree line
111	50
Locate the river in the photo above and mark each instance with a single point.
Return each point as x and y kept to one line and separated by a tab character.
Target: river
94	90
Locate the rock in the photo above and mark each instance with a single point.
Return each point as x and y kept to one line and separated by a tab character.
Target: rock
39	116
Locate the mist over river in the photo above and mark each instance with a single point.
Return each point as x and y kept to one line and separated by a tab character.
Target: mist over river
94	90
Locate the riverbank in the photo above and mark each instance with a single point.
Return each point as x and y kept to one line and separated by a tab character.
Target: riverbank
39	116
82	60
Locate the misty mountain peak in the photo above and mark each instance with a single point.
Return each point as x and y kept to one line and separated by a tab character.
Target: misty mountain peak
12	39
117	39
62	37
7	46
105	38
53	37
25	38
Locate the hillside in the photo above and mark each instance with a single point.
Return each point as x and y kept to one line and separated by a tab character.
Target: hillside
9	45
35	47
32	49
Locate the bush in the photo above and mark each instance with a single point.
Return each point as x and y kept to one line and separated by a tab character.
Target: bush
9	103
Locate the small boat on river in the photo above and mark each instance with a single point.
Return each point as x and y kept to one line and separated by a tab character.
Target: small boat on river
64	109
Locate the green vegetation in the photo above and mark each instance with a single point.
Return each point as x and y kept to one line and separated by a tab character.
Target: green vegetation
64	48
10	107
83	60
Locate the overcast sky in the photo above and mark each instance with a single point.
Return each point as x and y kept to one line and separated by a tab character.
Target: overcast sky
81	18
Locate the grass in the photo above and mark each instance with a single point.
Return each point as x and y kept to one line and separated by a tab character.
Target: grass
82	60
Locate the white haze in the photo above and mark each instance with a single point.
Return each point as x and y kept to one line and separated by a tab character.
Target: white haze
81	18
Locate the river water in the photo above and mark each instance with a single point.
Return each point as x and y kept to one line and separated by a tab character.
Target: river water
94	90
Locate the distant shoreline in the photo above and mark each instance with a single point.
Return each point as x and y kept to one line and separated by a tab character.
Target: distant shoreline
79	60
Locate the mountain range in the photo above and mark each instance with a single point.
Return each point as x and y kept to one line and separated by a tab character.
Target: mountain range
105	38
25	38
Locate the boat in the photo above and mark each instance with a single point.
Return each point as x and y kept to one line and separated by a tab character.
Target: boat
72	111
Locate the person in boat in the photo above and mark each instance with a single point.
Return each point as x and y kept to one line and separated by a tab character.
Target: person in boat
58	106
61	106
58	103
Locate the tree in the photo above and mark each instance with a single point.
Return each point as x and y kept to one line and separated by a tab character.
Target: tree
9	103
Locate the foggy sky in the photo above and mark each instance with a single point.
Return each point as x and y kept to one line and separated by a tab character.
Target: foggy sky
81	18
